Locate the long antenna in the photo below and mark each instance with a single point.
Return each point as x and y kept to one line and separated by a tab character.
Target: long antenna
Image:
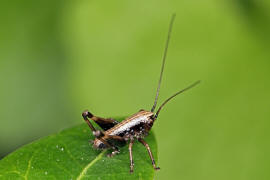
179	92
163	61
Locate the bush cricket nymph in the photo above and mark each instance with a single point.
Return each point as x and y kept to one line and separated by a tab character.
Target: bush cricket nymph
135	127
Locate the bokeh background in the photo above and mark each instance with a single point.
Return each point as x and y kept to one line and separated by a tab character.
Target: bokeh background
58	58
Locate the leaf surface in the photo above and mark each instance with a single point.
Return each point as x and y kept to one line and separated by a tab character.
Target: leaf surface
69	155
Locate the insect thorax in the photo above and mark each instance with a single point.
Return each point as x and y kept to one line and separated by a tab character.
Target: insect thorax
136	125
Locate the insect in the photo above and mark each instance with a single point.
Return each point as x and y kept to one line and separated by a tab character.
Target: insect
135	127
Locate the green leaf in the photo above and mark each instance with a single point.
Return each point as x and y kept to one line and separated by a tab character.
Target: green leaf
69	155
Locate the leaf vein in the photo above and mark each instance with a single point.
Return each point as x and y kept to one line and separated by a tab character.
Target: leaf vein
28	166
15	172
84	170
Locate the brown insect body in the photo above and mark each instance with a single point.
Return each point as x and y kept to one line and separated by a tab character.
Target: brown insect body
135	127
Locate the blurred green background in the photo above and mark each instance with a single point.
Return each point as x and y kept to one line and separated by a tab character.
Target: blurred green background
58	58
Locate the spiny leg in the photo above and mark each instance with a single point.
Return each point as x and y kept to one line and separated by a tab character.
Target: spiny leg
115	137
130	155
104	123
115	149
114	152
105	145
149	152
97	133
86	114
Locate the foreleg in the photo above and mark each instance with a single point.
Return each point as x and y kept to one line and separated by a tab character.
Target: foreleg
149	152
130	155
